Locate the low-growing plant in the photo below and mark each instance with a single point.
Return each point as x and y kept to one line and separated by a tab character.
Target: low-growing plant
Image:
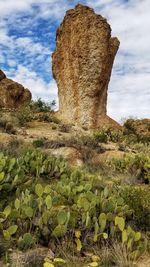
134	164
109	134
101	136
7	126
24	115
137	130
48	117
39	142
3	122
65	128
49	201
121	256
54	127
138	199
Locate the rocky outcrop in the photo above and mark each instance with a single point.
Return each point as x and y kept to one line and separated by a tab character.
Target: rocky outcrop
12	94
82	64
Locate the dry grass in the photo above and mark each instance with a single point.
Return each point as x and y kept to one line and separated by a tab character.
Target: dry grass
121	256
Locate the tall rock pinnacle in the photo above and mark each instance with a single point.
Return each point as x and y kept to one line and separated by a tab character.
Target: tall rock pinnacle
82	64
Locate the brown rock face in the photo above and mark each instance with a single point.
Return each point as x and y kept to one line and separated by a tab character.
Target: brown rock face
12	94
82	64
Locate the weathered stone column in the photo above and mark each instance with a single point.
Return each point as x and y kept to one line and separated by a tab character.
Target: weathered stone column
82	64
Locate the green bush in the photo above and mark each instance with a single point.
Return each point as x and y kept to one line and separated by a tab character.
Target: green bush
3	123
115	135
7	126
24	115
138	199
101	136
41	106
48	117
39	142
109	134
138	165
74	200
129	126
137	130
43	200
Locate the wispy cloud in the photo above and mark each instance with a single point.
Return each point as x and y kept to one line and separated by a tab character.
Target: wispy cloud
30	79
129	89
27	39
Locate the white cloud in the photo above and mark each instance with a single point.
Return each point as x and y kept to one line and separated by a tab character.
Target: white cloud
30	79
129	89
47	7
30	46
128	98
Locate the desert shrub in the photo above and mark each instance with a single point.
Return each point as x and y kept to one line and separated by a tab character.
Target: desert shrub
138	165
39	142
129	126
141	148
108	134
88	141
41	106
84	141
17	171
47	200
15	147
123	147
3	123
138	199
24	115
48	117
54	127
137	130
79	142
78	197
120	256
7	126
115	135
101	136
65	128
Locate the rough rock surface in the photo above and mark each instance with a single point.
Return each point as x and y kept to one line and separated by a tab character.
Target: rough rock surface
12	94
71	154
82	64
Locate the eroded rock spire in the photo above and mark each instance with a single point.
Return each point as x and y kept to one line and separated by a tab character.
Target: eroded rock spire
82	64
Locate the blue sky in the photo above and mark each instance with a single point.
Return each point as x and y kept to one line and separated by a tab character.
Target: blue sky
27	40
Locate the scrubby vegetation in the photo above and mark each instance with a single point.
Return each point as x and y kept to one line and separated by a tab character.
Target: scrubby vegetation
44	200
37	110
6	126
97	215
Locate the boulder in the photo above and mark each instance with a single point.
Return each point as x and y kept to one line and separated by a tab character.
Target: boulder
12	94
82	65
71	154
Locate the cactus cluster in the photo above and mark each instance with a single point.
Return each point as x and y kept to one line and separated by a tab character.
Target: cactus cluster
48	200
